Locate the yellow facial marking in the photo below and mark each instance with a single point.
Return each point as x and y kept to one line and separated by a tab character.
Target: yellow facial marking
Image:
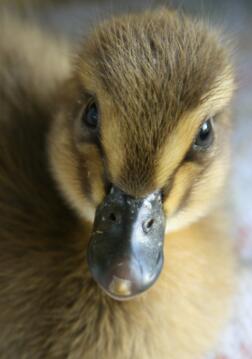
181	184
93	171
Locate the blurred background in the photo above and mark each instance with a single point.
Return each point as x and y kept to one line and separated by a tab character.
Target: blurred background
72	19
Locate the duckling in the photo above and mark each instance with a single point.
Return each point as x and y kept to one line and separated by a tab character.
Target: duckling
113	238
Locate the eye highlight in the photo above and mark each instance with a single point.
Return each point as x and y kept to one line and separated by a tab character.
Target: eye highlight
90	117
205	135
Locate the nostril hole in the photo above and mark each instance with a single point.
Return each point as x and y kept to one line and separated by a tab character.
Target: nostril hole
112	217
148	224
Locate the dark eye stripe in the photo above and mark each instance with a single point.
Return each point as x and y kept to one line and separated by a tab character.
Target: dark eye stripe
187	195
192	157
168	187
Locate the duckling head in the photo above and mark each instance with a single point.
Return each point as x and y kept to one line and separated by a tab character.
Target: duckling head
140	143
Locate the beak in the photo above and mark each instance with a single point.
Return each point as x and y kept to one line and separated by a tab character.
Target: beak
125	252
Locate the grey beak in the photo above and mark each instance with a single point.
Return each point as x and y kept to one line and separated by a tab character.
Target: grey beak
125	252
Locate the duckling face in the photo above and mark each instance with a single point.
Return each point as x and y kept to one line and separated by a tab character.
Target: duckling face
146	115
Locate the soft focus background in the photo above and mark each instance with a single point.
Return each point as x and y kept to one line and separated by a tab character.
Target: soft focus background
71	18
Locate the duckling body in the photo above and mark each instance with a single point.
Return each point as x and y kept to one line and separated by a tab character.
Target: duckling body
50	306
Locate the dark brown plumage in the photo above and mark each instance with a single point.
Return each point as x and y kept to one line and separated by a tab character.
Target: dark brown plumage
156	77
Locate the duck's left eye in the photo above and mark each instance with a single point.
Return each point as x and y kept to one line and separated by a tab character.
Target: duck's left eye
205	135
90	116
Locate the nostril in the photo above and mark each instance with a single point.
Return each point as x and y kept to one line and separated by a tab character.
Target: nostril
150	223
147	225
112	217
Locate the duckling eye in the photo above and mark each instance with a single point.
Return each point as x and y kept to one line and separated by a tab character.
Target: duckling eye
205	135
91	116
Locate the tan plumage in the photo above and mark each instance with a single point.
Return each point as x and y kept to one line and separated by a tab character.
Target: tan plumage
156	77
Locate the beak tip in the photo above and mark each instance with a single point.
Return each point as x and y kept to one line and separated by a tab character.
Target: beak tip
120	287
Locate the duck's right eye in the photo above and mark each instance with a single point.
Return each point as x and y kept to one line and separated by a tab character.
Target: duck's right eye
90	117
